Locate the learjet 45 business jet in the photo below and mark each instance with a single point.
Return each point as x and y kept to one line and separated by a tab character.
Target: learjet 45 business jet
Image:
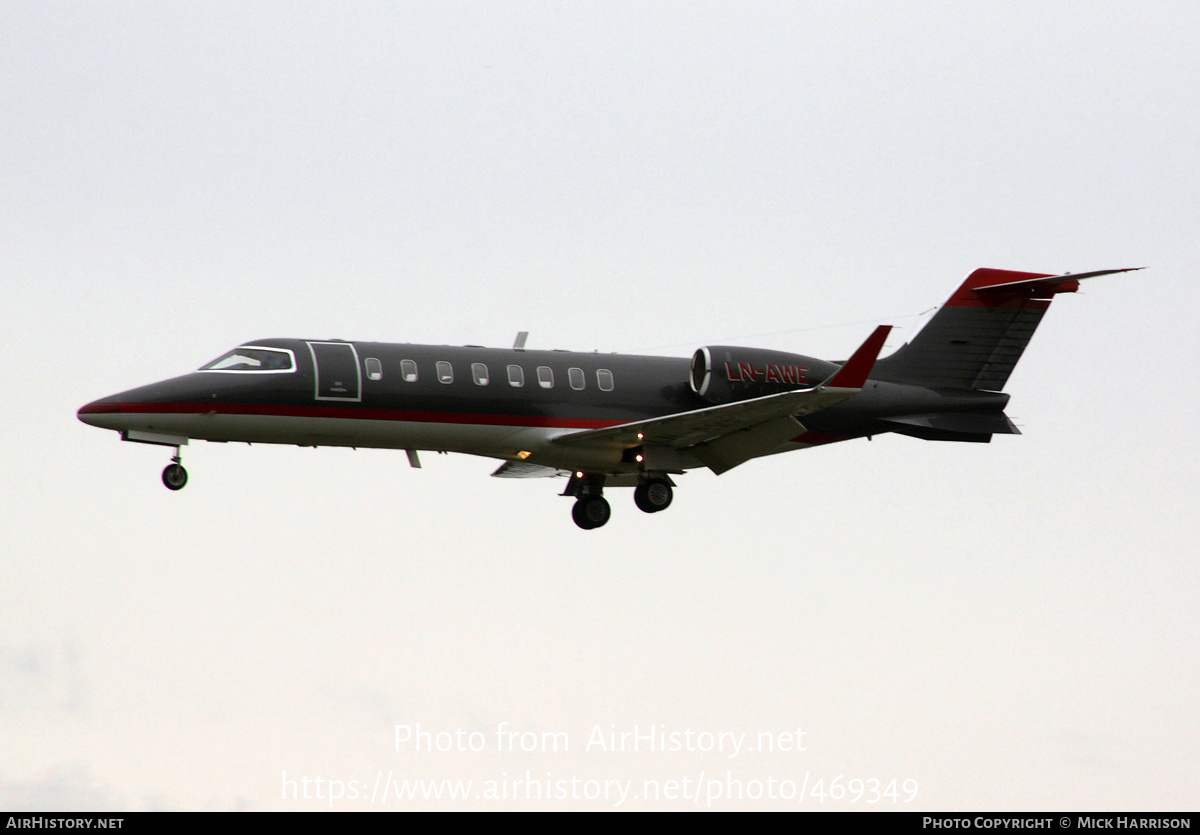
603	420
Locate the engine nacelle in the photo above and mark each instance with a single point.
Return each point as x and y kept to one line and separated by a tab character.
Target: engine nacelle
723	373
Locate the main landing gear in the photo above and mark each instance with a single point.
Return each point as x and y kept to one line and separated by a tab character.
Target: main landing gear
653	495
592	510
174	476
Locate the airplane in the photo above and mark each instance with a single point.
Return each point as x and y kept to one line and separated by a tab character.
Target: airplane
603	420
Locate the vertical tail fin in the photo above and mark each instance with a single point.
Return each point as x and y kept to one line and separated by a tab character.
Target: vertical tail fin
976	338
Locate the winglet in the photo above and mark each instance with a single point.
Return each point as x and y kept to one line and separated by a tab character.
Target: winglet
854	373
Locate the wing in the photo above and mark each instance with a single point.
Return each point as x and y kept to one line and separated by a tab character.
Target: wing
726	435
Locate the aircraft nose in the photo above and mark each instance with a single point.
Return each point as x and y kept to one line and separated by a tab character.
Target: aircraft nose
100	412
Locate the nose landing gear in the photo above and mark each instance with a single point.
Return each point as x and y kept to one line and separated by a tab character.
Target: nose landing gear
174	476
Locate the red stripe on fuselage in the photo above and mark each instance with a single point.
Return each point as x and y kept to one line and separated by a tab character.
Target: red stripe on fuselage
352	412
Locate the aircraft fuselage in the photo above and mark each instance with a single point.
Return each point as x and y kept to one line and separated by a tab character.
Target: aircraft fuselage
602	419
467	400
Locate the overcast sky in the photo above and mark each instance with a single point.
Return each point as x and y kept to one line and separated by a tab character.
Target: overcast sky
1010	626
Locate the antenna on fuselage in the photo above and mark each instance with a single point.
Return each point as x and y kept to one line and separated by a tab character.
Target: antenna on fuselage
519	343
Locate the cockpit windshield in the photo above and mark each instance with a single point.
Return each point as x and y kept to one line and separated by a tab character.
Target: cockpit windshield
253	358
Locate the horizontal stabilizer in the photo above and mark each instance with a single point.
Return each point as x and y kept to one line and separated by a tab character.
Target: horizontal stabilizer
965	422
1047	285
964	427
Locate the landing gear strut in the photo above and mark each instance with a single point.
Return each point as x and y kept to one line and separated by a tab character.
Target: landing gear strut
174	476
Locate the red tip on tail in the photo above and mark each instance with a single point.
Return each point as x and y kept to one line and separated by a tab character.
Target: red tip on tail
976	338
978	290
994	288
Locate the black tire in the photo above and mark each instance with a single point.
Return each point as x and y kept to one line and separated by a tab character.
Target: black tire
174	477
591	512
653	495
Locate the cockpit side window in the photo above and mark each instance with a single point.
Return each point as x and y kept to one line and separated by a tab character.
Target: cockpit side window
251	358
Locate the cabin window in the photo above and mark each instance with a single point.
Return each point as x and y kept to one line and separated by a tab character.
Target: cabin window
253	358
575	378
604	379
445	372
374	369
516	376
479	373
545	377
408	370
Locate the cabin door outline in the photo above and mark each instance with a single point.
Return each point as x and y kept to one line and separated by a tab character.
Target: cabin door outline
337	371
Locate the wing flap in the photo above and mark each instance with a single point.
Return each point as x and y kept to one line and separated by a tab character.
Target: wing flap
723	454
523	469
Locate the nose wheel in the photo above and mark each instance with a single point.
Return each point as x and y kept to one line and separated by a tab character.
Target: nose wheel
174	476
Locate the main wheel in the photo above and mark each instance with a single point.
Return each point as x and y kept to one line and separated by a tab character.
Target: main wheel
591	512
653	495
174	476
